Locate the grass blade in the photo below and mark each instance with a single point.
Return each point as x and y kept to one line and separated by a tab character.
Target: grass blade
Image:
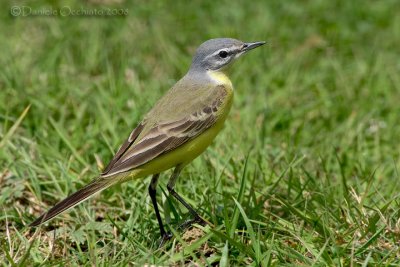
13	128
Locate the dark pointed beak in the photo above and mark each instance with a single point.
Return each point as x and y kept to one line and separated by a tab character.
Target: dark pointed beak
249	46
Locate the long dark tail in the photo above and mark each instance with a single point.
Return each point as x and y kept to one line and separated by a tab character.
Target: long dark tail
89	190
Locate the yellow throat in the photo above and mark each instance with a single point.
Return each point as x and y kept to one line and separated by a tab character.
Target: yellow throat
220	77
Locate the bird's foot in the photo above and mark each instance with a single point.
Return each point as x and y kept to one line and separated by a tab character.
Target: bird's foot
189	223
164	239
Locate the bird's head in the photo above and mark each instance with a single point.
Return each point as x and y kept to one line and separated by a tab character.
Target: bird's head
217	54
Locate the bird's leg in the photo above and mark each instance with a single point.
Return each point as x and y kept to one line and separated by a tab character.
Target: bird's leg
170	187
152	192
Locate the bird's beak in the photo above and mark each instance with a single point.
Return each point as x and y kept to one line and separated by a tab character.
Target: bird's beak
249	46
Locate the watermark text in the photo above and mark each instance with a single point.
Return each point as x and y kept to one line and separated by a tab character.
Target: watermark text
67	11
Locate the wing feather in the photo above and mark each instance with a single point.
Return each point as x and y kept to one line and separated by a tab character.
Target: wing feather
132	137
164	138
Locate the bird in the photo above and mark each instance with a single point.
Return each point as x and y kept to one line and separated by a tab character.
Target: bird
179	127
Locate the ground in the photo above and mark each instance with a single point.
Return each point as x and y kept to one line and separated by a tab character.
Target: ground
304	173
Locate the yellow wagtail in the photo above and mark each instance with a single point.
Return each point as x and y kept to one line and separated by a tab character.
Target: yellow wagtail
180	126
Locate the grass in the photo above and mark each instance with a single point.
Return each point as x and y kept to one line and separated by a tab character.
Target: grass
304	173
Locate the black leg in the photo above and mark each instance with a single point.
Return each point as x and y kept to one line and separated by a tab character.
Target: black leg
170	187
152	192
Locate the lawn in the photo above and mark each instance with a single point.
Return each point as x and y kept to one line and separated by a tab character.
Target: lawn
305	172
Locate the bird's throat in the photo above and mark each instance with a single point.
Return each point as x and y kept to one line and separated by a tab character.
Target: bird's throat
220	78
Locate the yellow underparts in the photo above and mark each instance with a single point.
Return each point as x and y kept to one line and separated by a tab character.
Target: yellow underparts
190	150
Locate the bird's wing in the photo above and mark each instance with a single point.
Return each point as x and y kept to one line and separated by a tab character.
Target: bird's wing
165	136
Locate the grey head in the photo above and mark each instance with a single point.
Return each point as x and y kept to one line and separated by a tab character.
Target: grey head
217	54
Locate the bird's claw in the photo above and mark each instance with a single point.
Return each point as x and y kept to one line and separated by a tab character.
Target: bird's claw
164	238
188	223
168	235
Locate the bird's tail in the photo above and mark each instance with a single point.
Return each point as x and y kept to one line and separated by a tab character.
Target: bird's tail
89	190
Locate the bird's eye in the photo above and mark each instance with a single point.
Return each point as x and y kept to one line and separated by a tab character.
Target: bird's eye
223	54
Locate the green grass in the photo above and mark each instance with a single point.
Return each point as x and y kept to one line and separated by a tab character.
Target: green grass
304	173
